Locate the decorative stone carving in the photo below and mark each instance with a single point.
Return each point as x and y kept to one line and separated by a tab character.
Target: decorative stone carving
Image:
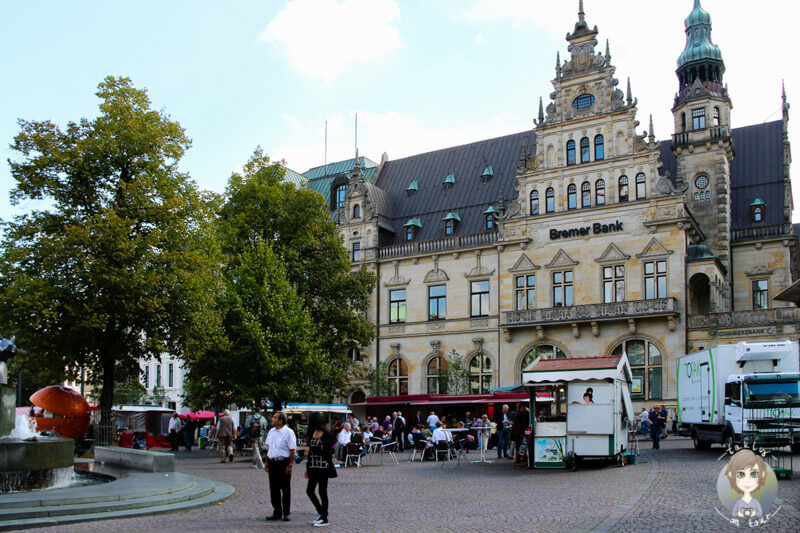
436	326
436	346
654	248
612	255
593	312
523	264
759	271
395	330
479	271
397	280
394	349
561	260
479	323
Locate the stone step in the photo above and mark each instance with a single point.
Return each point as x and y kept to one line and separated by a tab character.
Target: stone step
216	493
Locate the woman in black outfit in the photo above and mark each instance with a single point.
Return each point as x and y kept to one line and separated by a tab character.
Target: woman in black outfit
319	466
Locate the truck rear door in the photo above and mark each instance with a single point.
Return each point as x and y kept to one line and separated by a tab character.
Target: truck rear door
705	392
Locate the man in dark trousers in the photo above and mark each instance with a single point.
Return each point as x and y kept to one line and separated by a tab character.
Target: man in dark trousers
281	447
504	422
398	430
657	421
418	419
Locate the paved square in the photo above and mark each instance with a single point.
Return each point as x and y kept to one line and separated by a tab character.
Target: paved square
672	489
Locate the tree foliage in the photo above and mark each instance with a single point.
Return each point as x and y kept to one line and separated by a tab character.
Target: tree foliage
454	375
378	380
120	262
302	353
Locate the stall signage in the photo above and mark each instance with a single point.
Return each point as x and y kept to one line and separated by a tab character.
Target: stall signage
595	229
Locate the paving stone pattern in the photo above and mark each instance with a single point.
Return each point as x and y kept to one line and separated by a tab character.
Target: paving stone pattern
672	489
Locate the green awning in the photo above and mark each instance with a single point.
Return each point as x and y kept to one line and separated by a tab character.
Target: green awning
413	222
451	178
488	171
758	201
413	186
452	215
491	211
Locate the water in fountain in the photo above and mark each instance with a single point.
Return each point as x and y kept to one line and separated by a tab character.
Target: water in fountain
24	428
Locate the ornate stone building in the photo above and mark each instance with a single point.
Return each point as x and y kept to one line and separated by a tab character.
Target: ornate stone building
580	238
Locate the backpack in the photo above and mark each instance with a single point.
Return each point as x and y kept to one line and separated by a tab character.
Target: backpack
255	426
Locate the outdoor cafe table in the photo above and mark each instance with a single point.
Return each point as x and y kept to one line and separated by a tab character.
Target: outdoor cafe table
373	449
484	440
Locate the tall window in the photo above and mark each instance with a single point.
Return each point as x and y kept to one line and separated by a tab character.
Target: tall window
585	158
356	251
490	222
716	116
356	211
147	377
355	354
655	279
341	193
549	200
398	377
158	376
570	152
645	361
572	196
641	187
683	122
170	375
397	306
480	374
479	298
534	203
600	192
410	233
613	284
758	213
562	289
437	302
448	227
623	188
586	194
526	292
760	294
599	148
435	366
698	119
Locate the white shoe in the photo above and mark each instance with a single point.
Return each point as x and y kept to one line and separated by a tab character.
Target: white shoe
321	523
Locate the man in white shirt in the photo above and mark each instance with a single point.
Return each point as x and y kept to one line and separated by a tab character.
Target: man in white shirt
174	430
342	440
644	420
281	447
439	434
432	421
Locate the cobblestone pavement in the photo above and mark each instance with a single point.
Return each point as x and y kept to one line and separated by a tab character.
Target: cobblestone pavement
672	489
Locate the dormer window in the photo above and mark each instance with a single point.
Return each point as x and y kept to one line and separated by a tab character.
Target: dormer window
450	220
412	227
412	188
340	195
758	210
356	211
487	174
449	181
490	222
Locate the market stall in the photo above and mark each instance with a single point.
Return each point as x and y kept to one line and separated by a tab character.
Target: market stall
143	422
587	412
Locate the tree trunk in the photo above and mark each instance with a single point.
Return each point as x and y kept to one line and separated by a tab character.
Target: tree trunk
105	431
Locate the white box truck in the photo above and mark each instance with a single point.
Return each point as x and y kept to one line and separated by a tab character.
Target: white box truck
729	393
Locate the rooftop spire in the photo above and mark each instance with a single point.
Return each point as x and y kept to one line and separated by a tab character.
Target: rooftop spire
629	95
581	14
608	53
701	58
652	136
558	65
541	108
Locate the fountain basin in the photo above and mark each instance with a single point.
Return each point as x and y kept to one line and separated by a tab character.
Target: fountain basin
31	465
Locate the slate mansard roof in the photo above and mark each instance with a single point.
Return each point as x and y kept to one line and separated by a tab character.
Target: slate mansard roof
469	196
321	178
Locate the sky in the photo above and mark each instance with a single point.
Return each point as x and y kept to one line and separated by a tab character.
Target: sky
421	74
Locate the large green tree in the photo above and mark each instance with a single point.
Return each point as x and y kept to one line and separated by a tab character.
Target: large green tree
261	209
118	260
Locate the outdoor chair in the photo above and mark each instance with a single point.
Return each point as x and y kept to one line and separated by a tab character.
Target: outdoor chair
388	449
353	454
419	450
443	448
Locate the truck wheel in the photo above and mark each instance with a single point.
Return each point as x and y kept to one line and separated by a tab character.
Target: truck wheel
698	443
727	440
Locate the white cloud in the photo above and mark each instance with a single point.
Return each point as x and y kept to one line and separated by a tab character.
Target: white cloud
322	38
480	39
398	134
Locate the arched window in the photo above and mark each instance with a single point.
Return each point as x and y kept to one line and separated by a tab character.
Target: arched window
623	188
398	377
534	203
645	360
480	374
356	211
549	200
435	366
586	194
572	196
599	148
600	192
716	116
545	351
641	187
339	195
570	152
585	150
358	397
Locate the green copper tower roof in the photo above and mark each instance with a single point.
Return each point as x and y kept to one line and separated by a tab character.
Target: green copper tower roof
699	47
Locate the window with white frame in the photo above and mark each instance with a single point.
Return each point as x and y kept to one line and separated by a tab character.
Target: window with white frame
655	279
613	284
562	288
526	292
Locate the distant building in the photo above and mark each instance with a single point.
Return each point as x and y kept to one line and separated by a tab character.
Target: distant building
579	238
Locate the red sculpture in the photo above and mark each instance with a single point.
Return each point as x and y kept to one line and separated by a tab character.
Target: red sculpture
70	411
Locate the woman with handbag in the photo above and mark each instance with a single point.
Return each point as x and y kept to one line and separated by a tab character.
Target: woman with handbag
319	466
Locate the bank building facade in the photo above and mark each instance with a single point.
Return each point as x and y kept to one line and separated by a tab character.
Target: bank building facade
580	238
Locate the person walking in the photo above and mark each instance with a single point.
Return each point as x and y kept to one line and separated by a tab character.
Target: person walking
398	430
174	430
189	428
281	448
319	466
432	420
258	425
656	421
225	433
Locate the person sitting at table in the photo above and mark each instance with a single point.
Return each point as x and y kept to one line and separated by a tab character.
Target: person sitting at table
367	434
342	441
387	423
356	437
439	434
